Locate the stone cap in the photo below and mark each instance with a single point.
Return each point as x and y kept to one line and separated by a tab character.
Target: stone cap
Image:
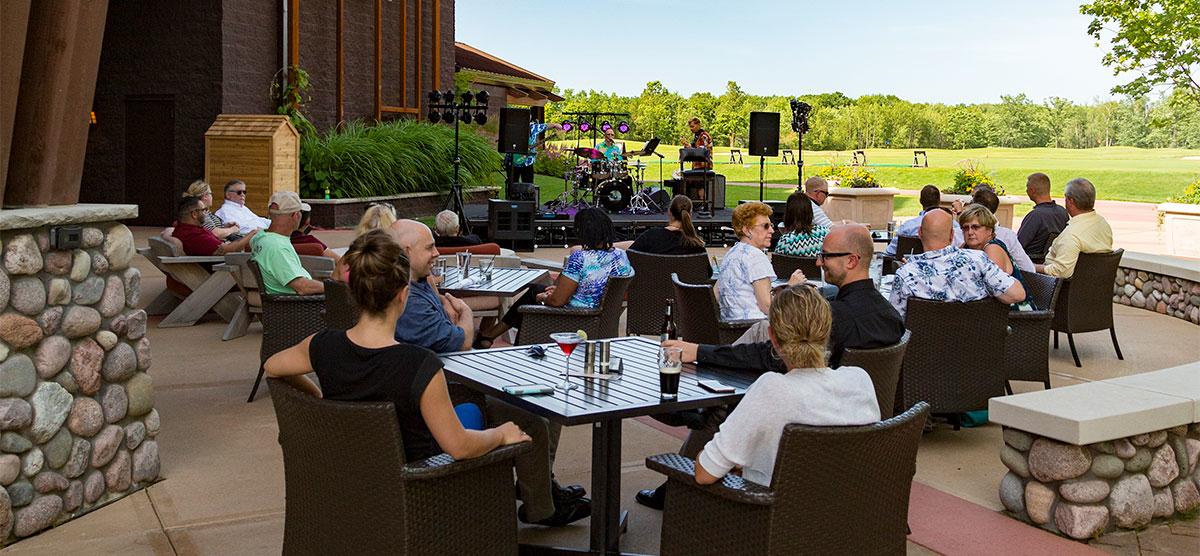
1164	265
1182	381
19	218
386	198
863	191
1094	411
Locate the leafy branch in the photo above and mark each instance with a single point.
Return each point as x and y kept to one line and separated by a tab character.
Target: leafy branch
289	90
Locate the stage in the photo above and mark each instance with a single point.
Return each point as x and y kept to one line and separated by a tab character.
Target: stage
558	231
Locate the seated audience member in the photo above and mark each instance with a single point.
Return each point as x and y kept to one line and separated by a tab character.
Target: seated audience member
223	230
946	273
196	239
234	209
378	216
801	237
307	244
931	198
277	260
744	287
449	231
979	231
810	393
678	237
1087	232
816	189
438	322
582	281
1046	217
988	198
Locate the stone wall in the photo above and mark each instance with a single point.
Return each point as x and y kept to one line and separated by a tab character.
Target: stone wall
1085	491
1167	295
76	404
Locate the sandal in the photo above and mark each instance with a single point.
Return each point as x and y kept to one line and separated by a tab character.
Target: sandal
479	341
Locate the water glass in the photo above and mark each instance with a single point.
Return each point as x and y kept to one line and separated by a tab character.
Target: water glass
485	268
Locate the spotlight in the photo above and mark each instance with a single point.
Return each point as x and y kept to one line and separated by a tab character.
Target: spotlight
481	97
448	115
435	97
435	116
480	118
568	125
584	126
449	96
466	97
605	126
623	127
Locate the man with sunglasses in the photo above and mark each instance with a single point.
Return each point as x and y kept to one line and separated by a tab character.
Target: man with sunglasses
817	190
234	209
862	319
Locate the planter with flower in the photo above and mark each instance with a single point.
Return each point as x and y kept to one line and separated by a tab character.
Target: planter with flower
1181	219
972	175
855	194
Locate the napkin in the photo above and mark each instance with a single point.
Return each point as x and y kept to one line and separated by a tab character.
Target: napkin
468	282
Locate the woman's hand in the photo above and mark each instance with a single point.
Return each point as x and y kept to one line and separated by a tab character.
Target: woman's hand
798	277
541	297
512	434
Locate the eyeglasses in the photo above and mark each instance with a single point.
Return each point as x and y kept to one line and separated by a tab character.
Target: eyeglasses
764	225
975	227
827	255
239	192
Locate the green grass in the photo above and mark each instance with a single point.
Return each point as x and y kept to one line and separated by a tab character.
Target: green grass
1119	173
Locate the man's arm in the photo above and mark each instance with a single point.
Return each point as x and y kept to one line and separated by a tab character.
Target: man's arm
306	286
1014	294
1061	259
757	357
465	321
235	246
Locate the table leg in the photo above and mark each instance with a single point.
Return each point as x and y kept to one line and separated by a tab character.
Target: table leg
606	487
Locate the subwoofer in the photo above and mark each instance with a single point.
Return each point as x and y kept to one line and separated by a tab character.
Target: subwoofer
522	192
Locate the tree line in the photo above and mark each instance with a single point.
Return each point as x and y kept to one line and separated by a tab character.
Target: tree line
840	122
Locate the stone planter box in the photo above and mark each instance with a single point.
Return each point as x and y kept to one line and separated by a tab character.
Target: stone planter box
1182	222
345	213
1004	214
867	205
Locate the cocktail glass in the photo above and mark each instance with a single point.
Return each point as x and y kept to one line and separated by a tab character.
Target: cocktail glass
567	342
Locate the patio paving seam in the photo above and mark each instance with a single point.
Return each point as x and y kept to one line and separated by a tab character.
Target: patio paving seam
161	527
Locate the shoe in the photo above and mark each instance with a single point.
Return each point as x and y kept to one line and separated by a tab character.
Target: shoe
564	513
653	499
561	493
480	340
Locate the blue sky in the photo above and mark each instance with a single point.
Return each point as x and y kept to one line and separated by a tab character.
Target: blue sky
922	51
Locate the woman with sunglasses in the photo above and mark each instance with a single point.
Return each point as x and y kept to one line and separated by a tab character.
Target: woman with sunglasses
744	287
979	233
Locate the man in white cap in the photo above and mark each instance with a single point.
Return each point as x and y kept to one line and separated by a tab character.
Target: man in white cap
272	248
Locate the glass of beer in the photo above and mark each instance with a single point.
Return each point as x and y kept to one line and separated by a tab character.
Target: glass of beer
670	365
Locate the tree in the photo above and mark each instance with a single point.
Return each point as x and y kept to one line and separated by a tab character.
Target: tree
733	120
1159	39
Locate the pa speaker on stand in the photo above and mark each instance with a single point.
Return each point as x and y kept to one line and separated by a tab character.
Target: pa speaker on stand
514	138
764	141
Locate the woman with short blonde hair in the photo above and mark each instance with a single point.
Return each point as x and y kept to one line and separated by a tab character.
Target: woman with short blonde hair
978	225
223	230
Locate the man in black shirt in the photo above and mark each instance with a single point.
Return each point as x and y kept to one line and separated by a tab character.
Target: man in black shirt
449	231
1046	218
862	319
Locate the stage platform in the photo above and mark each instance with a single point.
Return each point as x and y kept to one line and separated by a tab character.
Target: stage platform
558	231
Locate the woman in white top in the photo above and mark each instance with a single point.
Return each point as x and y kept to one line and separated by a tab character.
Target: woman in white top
810	393
744	287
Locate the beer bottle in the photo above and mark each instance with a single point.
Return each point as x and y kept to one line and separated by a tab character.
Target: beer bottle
669	332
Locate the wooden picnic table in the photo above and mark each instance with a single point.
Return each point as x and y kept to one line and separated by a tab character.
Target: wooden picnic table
602	403
505	282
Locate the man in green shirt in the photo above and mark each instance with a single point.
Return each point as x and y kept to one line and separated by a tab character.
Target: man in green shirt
272	248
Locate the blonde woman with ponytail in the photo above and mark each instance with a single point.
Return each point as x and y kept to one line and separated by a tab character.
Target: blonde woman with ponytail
810	393
677	238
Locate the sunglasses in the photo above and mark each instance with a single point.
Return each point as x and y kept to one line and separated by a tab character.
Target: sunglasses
239	192
827	255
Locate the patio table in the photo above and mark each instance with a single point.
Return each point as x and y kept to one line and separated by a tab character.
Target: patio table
505	282
602	403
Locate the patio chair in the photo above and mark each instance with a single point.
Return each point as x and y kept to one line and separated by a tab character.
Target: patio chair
651	286
950	362
481	249
376	502
538	322
785	265
699	318
1085	303
251	304
286	320
815	503
341	311
1027	349
907	245
883	364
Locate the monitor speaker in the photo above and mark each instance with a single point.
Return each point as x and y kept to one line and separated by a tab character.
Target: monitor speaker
523	192
514	130
764	133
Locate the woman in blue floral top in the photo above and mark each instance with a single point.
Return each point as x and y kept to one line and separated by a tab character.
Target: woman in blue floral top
800	237
582	281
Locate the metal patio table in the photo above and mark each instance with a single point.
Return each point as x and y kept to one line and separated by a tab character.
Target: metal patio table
602	403
505	282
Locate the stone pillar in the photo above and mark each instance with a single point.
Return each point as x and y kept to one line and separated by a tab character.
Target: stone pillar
77	418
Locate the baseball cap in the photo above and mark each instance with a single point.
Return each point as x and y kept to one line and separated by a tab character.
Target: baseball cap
286	202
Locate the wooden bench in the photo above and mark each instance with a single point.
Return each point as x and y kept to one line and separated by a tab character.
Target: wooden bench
208	290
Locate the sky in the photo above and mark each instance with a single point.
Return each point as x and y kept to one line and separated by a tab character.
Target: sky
968	51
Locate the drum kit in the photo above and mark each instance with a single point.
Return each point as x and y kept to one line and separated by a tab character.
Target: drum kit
608	183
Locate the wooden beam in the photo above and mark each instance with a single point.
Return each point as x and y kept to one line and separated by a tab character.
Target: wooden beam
404	53
378	61
294	32
437	44
398	110
340	66
420	85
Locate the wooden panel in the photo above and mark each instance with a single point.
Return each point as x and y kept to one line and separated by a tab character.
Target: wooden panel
14	20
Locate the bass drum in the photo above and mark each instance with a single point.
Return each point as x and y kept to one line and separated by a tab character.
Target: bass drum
614	194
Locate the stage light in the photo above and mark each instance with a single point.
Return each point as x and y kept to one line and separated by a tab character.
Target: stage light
568	125
623	127
480	118
481	97
449	96
466	97
584	126
605	126
435	97
448	115
434	116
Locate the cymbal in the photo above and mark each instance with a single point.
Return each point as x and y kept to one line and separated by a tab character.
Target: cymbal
589	153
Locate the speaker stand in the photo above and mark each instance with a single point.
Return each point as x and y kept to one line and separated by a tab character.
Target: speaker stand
761	178
455	202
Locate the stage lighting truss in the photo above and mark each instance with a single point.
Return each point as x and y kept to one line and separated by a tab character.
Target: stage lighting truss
466	107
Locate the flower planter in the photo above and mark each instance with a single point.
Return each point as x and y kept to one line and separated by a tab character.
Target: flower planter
345	213
1004	214
1182	222
867	205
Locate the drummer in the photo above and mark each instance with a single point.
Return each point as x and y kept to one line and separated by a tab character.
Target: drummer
612	150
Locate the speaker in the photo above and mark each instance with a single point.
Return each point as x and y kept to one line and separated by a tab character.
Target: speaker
661	197
514	130
510	222
523	192
764	133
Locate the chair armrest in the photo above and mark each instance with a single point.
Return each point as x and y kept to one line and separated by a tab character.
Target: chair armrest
558	311
741	323
1041	314
543	264
730	487
286	298
223	267
443	465
191	259
143	251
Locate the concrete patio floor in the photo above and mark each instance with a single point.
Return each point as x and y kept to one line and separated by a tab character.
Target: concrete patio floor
223	487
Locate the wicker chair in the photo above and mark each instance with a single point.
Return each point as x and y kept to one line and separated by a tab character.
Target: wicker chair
376	503
538	322
1085	304
907	245
815	504
651	286
1027	349
341	311
936	368
883	364
286	320
699	317
785	265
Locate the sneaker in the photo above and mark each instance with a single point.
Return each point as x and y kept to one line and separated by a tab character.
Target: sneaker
653	498
564	513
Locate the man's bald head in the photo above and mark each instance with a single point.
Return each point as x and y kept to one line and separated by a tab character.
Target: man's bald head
937	229
417	241
850	238
409	232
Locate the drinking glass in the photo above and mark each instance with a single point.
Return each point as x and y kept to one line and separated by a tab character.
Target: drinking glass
566	342
485	268
438	272
670	366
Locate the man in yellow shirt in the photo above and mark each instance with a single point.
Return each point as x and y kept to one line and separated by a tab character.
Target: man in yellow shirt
1086	232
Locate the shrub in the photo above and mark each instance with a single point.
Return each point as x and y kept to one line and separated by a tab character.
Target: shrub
971	174
552	161
400	156
848	176
1190	195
